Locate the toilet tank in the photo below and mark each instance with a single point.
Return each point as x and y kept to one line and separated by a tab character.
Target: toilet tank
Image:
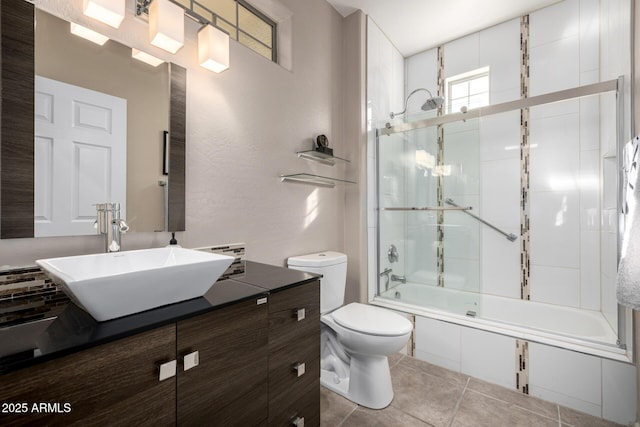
333	267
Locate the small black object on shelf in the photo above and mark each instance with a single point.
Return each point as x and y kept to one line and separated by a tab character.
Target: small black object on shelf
322	145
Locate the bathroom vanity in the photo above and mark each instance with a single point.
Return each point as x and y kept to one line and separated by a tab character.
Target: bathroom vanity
246	353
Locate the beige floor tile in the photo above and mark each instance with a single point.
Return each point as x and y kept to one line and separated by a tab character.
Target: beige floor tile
478	410
334	408
388	417
424	396
434	370
395	358
574	418
530	403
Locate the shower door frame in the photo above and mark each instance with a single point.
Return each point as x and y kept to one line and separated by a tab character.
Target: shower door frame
615	85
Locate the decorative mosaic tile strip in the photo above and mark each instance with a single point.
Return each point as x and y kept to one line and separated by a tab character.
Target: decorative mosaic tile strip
24	282
411	348
525	253
236	250
522	366
440	183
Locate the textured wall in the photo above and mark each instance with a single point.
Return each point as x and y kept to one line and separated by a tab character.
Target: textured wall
243	129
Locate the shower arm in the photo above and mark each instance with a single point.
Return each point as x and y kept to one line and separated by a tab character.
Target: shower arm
510	236
406	101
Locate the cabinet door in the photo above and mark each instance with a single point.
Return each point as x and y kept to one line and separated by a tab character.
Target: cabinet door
228	386
114	384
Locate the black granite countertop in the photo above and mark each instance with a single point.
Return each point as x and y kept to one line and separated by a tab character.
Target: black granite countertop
74	330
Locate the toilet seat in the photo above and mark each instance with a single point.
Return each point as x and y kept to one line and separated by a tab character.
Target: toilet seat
371	320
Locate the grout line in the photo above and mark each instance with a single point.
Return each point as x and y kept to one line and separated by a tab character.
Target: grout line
348	415
559	419
455	408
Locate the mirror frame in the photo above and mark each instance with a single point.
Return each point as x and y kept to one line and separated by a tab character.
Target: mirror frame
17	59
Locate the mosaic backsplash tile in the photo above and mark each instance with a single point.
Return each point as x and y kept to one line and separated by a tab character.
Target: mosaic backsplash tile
236	250
27	294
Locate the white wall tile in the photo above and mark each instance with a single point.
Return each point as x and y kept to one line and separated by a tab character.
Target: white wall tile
500	136
461	55
554	23
500	192
438	343
554	66
555	285
555	228
589	183
500	50
500	264
589	35
566	377
590	270
462	273
618	392
489	357
590	123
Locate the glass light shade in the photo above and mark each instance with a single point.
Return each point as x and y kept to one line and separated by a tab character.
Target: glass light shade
110	12
213	49
88	34
145	57
166	25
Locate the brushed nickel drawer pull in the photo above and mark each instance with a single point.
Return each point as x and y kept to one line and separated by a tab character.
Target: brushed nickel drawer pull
191	360
299	369
261	301
298	422
167	370
301	314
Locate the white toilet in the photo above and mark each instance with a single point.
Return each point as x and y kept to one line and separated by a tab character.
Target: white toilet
356	338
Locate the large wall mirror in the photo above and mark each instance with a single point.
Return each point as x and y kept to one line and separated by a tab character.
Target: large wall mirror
105	127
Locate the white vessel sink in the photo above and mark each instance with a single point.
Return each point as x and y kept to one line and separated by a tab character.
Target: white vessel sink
117	284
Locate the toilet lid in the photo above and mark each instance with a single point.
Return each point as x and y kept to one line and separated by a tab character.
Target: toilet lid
371	320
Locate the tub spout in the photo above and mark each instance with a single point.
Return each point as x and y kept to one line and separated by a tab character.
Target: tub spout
396	278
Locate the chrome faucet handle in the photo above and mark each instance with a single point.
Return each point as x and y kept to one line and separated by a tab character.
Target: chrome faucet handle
122	225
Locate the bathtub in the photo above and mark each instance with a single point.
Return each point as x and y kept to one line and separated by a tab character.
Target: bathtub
581	330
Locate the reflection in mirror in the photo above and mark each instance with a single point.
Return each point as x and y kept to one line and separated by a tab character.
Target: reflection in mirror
100	118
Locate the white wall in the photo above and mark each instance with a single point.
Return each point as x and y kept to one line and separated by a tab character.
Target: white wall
244	127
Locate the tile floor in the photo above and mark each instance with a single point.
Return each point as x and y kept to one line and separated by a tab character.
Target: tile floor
427	395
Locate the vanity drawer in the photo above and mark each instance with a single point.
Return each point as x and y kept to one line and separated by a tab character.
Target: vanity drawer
292	365
291	397
304	296
286	327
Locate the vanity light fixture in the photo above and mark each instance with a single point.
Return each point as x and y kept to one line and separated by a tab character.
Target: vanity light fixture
88	34
145	57
166	25
110	12
213	48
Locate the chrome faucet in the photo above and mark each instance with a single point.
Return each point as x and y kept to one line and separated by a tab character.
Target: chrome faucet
111	225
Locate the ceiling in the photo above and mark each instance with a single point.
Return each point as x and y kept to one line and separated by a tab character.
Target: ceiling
434	22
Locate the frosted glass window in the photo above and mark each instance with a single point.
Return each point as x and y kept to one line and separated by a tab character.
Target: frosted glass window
240	20
469	90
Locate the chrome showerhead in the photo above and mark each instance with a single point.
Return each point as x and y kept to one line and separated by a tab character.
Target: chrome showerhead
431	103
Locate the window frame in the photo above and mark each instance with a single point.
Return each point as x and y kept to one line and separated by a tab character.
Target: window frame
468	77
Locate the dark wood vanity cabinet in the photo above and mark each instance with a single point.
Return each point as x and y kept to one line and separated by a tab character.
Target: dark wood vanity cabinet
112	384
251	363
294	356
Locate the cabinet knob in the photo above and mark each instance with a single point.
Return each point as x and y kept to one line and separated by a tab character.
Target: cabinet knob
300	314
191	360
167	370
298	422
299	369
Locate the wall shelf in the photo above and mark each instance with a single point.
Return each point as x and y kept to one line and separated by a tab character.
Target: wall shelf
317	156
307	178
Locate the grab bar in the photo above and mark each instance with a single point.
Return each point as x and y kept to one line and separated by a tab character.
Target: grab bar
431	208
510	236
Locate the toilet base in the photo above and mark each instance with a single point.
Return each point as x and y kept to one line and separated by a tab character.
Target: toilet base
368	383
